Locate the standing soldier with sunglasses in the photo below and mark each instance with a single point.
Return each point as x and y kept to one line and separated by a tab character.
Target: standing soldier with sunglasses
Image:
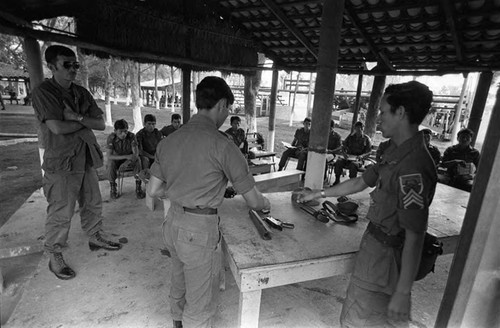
67	114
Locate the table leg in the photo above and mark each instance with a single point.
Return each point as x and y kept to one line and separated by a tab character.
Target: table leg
248	313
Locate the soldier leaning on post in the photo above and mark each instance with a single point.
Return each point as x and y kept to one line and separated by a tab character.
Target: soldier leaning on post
67	114
195	181
379	293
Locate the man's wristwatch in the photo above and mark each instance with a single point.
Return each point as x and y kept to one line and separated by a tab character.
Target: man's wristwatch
323	193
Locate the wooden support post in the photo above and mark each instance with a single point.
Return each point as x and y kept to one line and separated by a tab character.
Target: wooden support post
476	114
375	97
35	71
272	110
331	23
357	102
471	295
458	111
186	94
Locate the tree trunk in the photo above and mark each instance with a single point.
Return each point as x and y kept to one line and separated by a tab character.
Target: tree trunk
83	73
136	98
172	76
157	103
294	96
107	93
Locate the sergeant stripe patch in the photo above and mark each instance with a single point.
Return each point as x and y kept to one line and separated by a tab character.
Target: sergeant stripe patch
412	187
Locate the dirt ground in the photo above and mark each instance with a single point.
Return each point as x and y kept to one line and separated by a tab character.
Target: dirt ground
314	304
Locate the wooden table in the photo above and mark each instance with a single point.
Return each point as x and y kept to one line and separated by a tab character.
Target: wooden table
312	250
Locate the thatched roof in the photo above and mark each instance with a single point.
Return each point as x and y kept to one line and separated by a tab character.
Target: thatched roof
445	36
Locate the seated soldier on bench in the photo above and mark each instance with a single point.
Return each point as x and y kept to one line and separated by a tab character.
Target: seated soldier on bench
356	144
460	161
300	144
123	156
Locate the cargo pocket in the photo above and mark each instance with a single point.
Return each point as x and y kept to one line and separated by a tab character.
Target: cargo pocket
374	262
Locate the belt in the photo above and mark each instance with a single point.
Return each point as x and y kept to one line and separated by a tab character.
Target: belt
197	210
395	241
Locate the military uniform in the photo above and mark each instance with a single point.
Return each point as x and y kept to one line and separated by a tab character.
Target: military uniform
196	179
453	178
148	141
168	130
301	139
405	181
354	145
435	154
70	162
122	147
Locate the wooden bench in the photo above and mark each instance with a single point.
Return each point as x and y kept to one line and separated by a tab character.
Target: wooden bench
279	181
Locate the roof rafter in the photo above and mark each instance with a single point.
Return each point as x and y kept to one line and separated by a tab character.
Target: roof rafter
382	58
457	38
285	21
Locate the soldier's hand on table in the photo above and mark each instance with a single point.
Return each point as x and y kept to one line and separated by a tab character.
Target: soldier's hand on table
399	307
306	195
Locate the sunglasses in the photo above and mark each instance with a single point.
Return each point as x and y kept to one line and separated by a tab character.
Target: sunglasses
68	65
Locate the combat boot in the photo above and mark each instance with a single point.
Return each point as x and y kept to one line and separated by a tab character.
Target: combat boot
139	193
58	267
97	242
177	324
113	193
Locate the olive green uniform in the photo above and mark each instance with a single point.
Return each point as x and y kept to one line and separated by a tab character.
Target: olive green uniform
404	181
196	163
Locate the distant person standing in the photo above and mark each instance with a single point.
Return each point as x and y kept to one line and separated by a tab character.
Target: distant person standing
195	181
1	98
67	114
174	126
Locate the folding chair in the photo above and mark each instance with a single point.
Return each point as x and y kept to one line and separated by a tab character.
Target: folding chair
123	171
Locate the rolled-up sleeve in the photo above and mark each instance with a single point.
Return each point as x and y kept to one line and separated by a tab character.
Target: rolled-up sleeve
236	169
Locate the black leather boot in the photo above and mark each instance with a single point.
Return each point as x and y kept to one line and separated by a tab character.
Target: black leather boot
113	193
97	242
58	267
177	324
139	193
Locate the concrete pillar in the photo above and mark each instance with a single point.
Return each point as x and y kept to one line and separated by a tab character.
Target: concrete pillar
357	102
35	71
458	111
476	114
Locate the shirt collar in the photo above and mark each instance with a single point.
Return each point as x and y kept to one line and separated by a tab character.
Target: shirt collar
395	153
202	120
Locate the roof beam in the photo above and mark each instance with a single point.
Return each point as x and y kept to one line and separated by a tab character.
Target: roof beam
285	21
381	57
133	54
457	38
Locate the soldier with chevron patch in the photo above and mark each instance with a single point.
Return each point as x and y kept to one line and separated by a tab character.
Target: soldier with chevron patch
404	177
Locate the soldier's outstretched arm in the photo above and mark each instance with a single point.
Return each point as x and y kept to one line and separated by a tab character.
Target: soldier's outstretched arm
255	200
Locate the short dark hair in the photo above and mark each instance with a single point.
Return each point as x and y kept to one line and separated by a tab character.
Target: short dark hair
53	51
359	123
465	131
149	118
332	124
427	131
414	96
235	118
121	125
307	119
175	117
210	90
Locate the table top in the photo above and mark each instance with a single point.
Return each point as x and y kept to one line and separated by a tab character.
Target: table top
312	239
